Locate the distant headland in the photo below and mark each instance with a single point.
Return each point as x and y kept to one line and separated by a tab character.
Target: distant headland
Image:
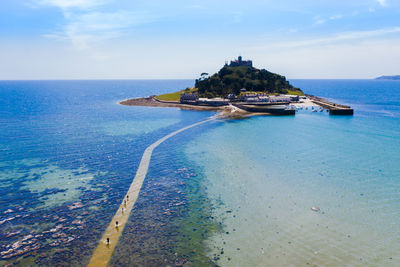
393	78
239	89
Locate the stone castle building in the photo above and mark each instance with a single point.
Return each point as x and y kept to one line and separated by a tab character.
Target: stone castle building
240	62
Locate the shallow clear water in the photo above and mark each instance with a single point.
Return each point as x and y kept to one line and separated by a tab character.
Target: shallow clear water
228	192
265	173
68	154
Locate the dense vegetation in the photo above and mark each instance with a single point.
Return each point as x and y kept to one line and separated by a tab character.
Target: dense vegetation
229	80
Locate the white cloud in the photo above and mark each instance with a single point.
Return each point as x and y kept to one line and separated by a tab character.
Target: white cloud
382	2
338	16
87	24
365	59
340	37
85	30
318	20
65	4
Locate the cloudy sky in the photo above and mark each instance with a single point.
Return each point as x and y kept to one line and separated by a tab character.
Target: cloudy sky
145	39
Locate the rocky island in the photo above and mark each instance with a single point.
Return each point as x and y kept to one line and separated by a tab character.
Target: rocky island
392	78
239	89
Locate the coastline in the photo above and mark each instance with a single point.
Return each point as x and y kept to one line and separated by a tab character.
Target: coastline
228	111
151	101
223	111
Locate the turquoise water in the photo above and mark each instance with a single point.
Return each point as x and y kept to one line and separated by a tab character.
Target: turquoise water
231	192
264	174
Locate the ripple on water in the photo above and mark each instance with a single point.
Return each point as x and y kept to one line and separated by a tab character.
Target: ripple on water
52	213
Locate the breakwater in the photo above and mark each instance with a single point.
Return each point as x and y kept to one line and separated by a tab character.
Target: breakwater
334	109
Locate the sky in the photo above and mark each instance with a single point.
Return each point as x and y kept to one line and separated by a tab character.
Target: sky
179	39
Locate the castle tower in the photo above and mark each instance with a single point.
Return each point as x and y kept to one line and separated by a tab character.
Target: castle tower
240	62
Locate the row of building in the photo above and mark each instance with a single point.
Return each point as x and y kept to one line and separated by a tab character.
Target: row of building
244	97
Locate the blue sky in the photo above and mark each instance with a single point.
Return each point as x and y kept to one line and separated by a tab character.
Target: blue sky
106	39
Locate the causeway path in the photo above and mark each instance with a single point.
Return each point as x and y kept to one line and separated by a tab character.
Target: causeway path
104	251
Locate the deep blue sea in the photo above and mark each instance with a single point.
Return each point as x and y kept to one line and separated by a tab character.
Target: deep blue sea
229	192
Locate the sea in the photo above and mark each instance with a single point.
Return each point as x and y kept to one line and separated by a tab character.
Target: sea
225	193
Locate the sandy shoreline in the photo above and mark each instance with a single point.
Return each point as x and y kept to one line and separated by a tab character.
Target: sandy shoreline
152	102
224	111
229	111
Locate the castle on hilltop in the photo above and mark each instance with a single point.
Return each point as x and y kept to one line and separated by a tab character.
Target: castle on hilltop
239	62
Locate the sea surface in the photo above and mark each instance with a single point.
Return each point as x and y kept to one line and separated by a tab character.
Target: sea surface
228	192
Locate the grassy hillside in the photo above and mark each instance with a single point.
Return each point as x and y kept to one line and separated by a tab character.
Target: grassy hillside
175	96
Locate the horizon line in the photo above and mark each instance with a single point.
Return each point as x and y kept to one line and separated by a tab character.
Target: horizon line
171	79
